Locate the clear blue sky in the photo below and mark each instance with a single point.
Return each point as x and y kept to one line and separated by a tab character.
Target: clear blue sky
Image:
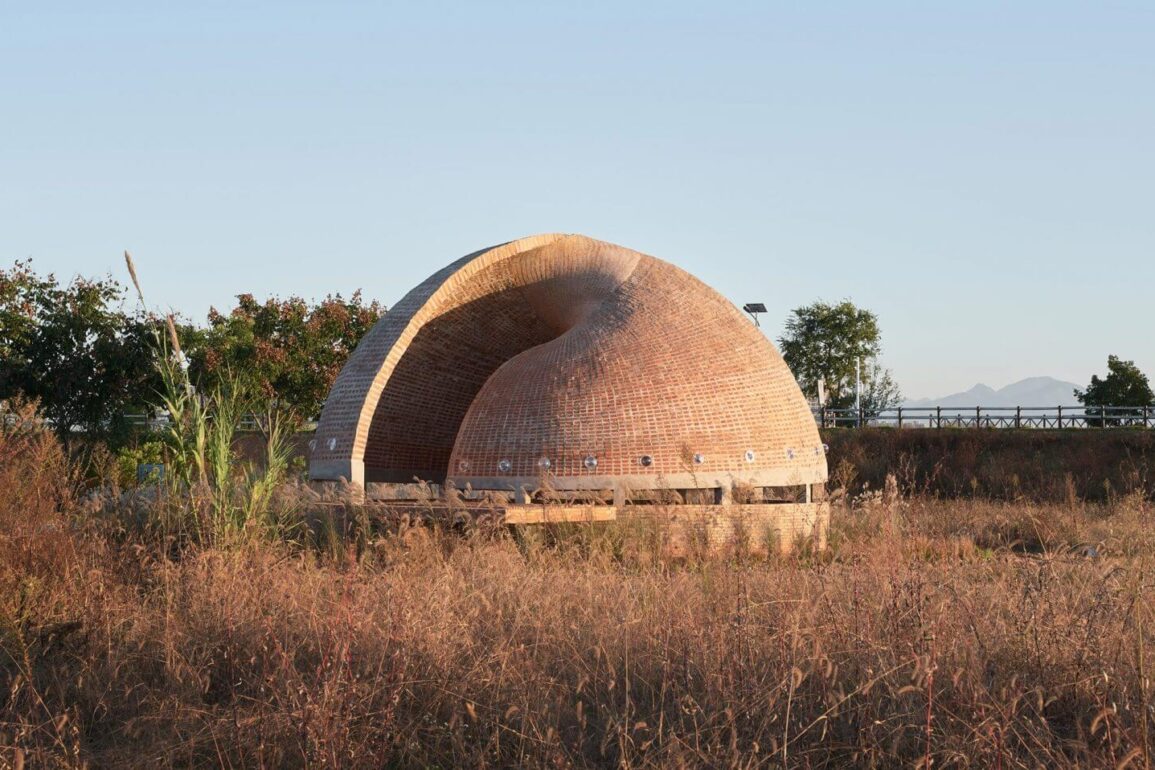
980	176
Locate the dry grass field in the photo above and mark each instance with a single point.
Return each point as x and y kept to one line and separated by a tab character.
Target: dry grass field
931	633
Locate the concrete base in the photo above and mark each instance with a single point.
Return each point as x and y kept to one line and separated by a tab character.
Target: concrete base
758	529
682	528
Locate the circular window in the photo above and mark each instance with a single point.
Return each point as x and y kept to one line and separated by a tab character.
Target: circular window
647	460
544	463
699	458
750	455
505	466
462	465
790	454
590	462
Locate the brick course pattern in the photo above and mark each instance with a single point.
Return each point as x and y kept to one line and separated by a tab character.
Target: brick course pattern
564	362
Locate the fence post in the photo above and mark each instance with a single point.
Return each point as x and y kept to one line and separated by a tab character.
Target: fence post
900	417
861	416
1060	417
938	417
978	417
822	413
1018	417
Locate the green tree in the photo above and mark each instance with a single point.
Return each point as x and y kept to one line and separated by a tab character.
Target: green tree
879	390
1124	386
74	349
826	342
288	351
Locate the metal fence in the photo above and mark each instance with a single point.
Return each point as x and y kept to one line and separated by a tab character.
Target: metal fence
248	422
1097	417
1061	417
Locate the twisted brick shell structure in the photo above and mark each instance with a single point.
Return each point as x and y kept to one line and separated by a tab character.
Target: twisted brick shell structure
565	361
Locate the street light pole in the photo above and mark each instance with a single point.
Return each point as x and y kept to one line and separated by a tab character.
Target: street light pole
754	308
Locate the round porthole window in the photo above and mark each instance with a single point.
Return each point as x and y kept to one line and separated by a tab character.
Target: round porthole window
699	458
790	454
590	462
646	460
750	455
462	465
505	466
544	463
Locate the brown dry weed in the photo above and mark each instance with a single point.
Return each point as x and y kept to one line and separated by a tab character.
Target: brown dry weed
930	633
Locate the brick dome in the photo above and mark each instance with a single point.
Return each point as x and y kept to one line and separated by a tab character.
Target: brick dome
562	360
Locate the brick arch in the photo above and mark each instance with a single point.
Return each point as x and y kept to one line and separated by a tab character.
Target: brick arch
563	347
436	311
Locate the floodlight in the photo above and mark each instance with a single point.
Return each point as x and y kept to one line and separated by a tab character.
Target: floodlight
754	308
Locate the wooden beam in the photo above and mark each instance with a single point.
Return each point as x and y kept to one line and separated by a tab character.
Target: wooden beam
547	514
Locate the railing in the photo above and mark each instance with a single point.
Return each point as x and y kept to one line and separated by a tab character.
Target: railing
1060	417
990	417
248	422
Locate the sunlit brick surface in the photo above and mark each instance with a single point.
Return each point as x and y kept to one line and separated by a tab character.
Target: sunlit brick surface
528	362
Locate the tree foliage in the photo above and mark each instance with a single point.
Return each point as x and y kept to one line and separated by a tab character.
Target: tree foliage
825	342
879	390
89	362
75	349
288	351
1123	386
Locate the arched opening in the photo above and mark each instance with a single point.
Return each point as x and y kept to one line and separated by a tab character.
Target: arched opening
436	380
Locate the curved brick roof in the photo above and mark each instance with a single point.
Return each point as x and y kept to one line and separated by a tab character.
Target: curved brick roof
563	357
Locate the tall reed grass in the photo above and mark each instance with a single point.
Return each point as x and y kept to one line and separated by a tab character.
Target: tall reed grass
208	494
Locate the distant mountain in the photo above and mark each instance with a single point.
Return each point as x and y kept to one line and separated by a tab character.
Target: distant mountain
1033	391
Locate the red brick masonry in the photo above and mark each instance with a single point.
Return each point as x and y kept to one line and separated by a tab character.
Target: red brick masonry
563	361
